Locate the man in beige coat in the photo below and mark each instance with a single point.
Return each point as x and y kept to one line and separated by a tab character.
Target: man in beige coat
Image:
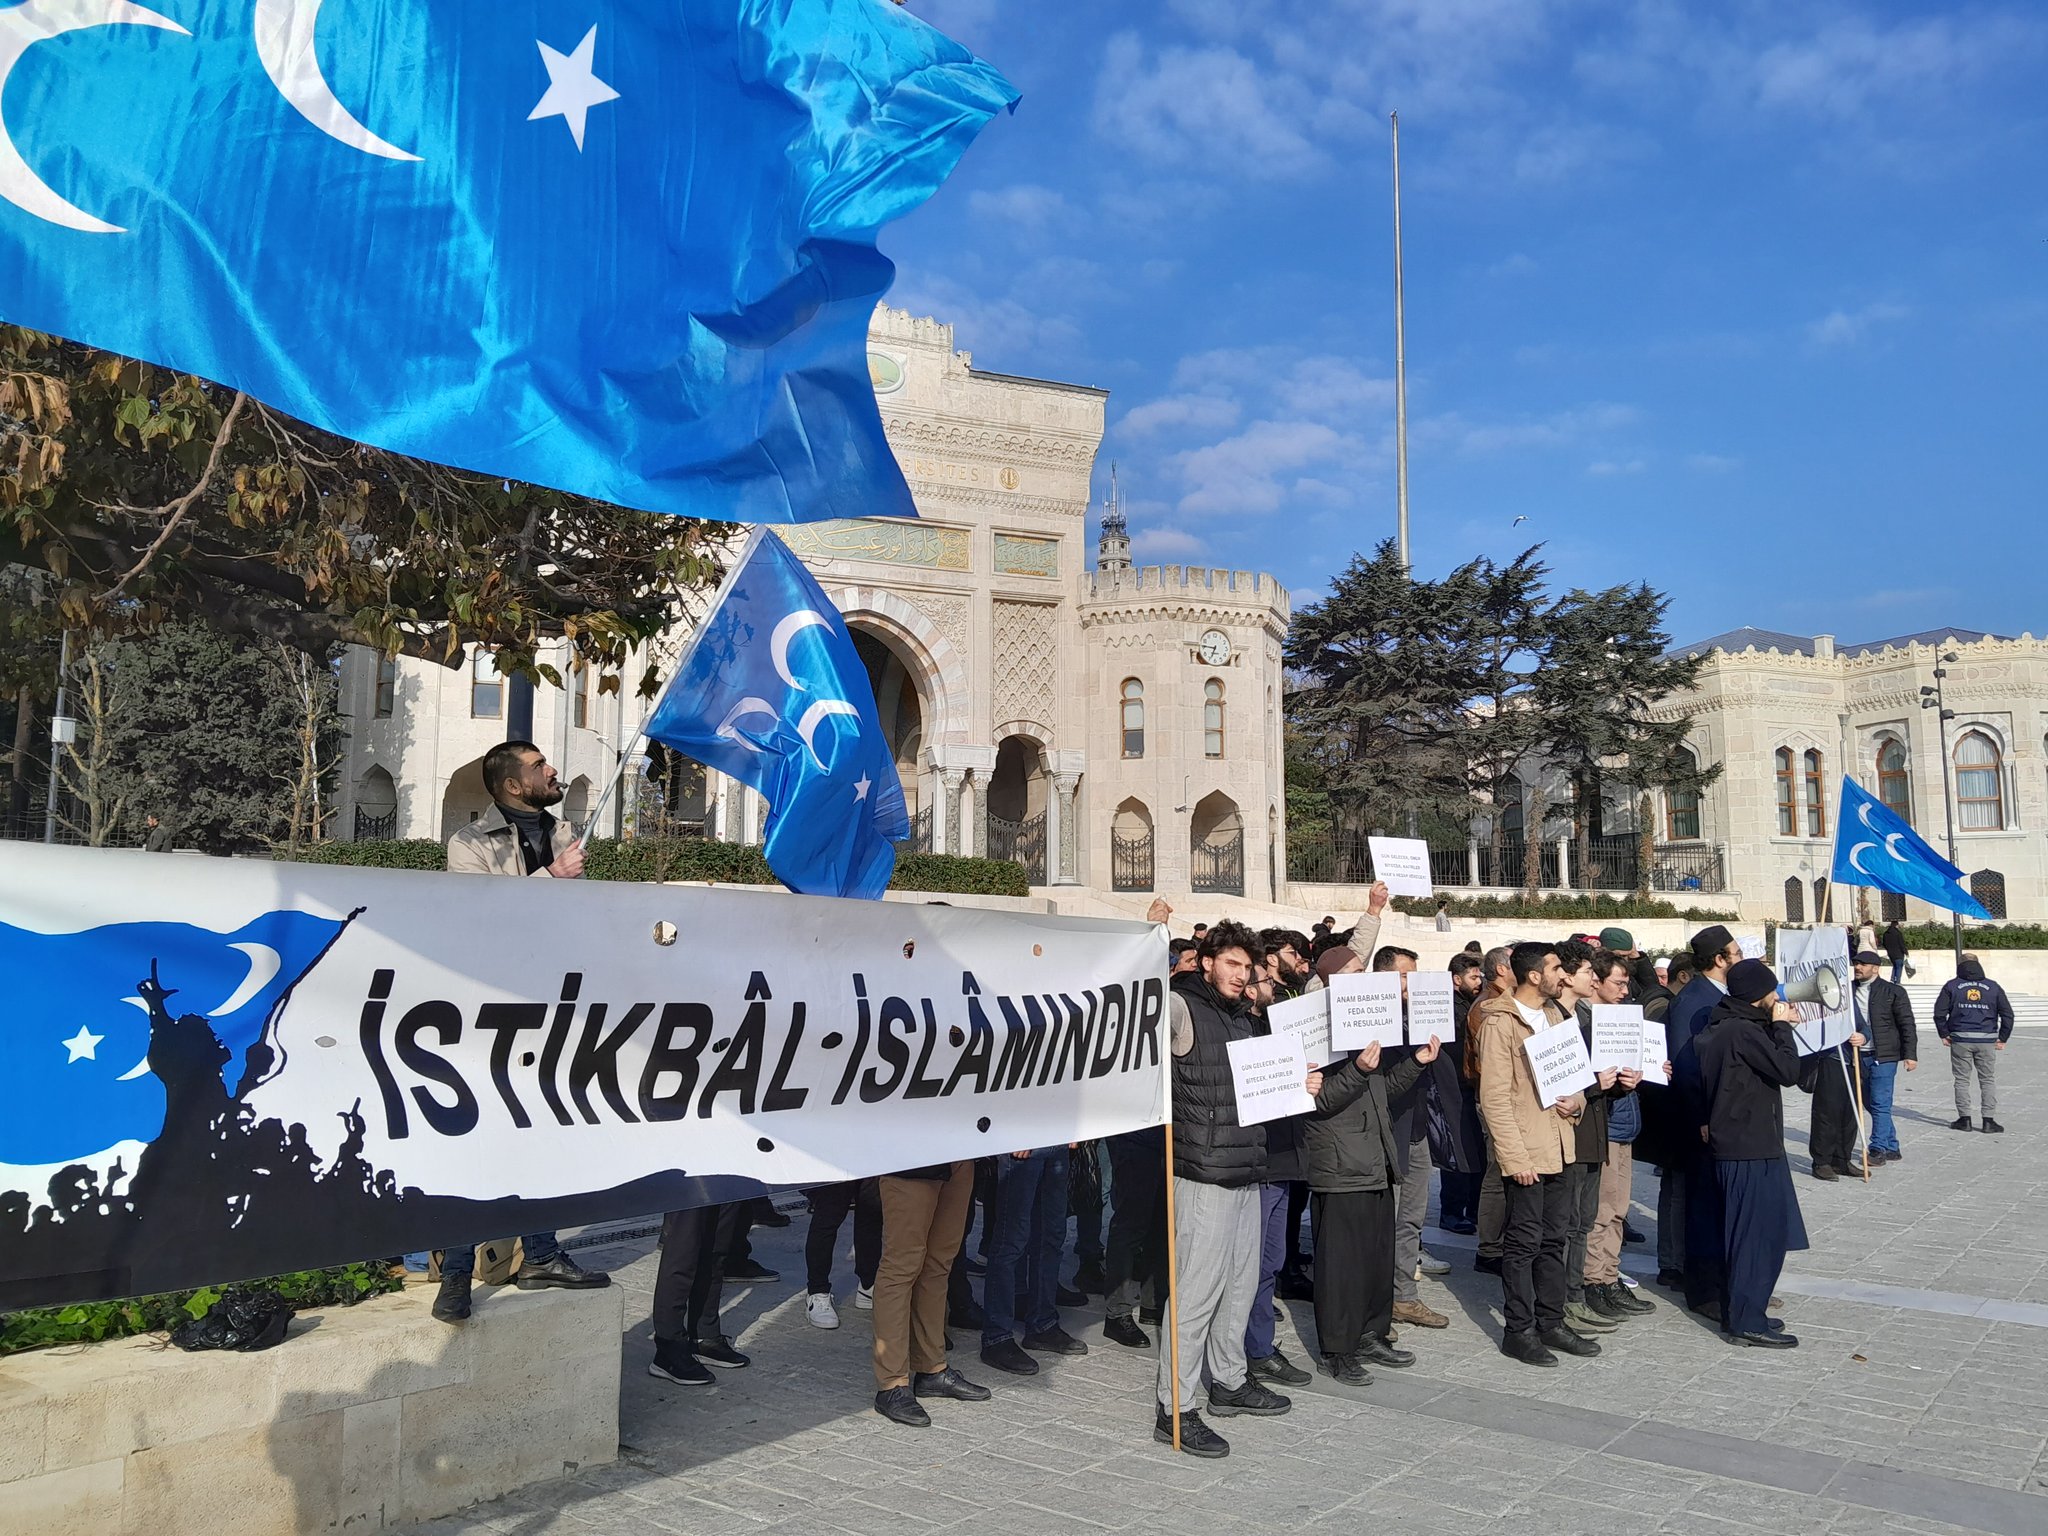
1531	1144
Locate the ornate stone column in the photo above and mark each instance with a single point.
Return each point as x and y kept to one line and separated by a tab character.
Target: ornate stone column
1064	785
952	780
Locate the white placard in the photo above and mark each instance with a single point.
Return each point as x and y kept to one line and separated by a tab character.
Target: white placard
1269	1074
1403	863
1654	1045
1431	1007
1617	1037
1753	946
1801	952
1308	1017
1557	1059
1365	1007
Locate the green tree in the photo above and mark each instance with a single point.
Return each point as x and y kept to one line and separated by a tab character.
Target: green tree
1607	665
150	496
1506	613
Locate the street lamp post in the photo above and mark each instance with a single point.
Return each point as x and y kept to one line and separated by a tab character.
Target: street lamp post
1935	699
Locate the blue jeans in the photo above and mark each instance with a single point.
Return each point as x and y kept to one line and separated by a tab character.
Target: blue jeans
1027	1231
1258	1329
1878	1080
538	1248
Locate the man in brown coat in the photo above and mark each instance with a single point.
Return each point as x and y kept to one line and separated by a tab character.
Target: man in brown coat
1531	1145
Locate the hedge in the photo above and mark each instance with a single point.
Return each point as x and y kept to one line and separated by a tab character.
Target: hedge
696	858
1562	907
90	1321
1939	938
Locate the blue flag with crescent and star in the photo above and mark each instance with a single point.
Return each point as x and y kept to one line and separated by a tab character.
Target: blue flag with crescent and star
1874	845
75	1071
772	693
623	248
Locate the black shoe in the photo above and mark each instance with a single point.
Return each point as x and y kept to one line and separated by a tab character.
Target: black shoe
1765	1340
1196	1438
717	1350
1960	1123
1671	1279
1566	1342
451	1302
1054	1341
1527	1348
949	1383
1294	1285
1089	1278
673	1362
774	1218
1007	1356
1629	1299
1825	1173
1277	1367
1252	1397
1630	1235
1346	1370
1464	1226
1486	1265
1379	1352
1603	1306
1067	1296
900	1406
1125	1331
1991	1127
1711	1308
559	1273
751	1269
1151	1315
968	1319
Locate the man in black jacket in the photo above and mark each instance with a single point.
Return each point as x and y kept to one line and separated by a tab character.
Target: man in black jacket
1218	1165
1884	1018
1747	1058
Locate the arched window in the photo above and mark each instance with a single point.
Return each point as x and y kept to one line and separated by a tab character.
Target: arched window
486	689
1816	793
1788	795
1980	784
1894	784
1212	718
1795	898
387	686
1134	717
1988	886
1820	898
1682	808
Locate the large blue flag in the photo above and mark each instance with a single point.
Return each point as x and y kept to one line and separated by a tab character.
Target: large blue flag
1874	845
623	248
772	693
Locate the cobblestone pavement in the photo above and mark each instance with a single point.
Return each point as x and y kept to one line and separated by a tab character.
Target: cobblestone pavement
1917	1402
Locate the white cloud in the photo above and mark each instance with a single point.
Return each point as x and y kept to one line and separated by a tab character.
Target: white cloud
1333	389
1712	463
1191	413
1250	473
1606	468
1210	107
1002	333
1172	545
1852	68
1024	207
1842	328
1558	430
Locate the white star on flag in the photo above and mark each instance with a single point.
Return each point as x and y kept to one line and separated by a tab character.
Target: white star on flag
573	86
82	1045
861	786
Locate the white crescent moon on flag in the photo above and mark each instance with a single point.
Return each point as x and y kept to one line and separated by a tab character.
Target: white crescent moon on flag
1856	848
264	964
816	716
1891	840
1863	814
22	27
791	626
141	1068
284	42
728	728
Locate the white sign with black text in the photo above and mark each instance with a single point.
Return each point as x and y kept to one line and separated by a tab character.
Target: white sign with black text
1365	1008
1403	863
1269	1075
1308	1017
1557	1060
1431	1007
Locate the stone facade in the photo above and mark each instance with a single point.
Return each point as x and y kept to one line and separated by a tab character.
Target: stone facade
999	648
1786	715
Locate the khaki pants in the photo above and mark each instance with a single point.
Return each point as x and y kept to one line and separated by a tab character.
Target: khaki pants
923	1223
1603	1243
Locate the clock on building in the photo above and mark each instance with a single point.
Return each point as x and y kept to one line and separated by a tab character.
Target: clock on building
1214	647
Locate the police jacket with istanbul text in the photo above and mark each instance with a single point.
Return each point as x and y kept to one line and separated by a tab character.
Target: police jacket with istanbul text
1972	1009
1209	1146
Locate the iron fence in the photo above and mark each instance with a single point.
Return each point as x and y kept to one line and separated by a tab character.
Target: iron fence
920	839
1218	866
1130	862
1019	842
376	829
1614	864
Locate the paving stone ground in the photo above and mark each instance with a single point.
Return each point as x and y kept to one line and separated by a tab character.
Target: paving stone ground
1922	1408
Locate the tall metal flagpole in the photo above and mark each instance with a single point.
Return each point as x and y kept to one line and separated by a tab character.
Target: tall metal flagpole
1400	364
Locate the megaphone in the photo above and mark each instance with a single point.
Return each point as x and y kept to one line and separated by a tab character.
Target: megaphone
1823	987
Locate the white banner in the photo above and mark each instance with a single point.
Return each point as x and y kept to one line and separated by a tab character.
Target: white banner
336	1063
1403	863
1801	952
1557	1060
1365	1007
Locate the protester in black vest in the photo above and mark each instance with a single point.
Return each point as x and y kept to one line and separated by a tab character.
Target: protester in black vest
1217	1168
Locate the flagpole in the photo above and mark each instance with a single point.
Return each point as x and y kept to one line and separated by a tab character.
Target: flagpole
759	531
1400	364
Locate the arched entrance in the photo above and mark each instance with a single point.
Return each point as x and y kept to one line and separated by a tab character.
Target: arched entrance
376	806
1217	857
1016	806
465	800
1130	847
900	703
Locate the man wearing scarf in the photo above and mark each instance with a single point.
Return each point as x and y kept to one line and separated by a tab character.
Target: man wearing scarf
1748	1056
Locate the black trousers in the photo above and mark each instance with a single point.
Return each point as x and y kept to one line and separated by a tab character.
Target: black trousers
959	1287
1533	1239
1831	1133
1136	1250
1582	1205
1297	1205
1460	1194
1706	1270
1354	1268
829	1205
689	1281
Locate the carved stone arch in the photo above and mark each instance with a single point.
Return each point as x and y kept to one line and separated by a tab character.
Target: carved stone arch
1042	734
941	673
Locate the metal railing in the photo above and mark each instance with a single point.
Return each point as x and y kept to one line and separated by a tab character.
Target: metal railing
1019	842
1130	862
1218	866
920	839
376	829
1614	864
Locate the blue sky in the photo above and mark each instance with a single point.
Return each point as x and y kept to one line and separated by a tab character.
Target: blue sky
1747	300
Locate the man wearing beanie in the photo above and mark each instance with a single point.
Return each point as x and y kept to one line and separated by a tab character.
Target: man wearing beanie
1747	1058
1690	1202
